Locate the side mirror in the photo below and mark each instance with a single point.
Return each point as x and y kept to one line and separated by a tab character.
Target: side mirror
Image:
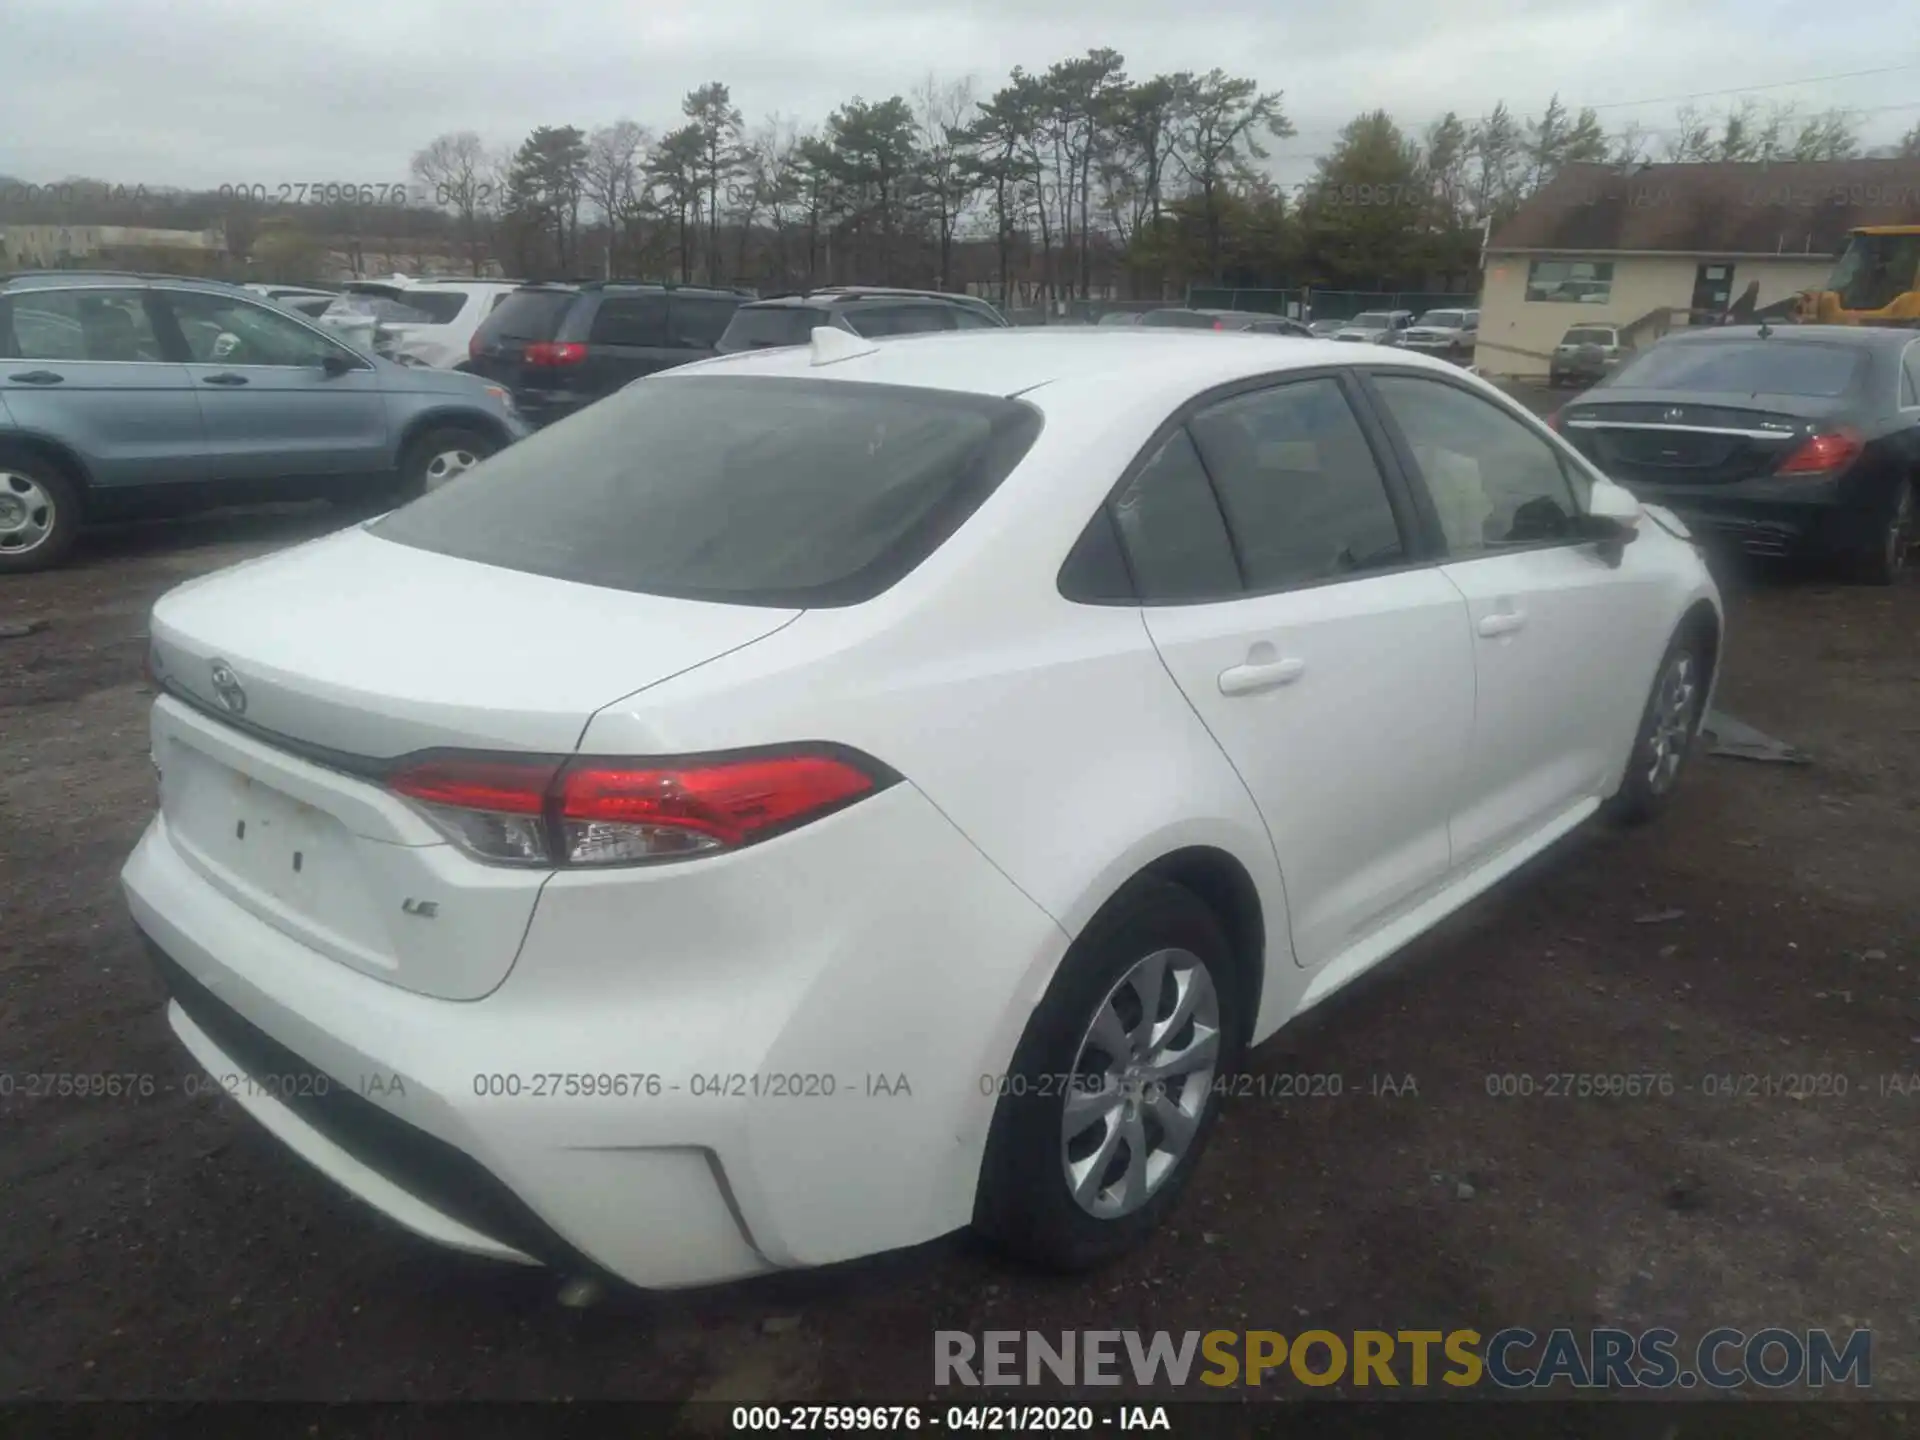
334	363
1612	519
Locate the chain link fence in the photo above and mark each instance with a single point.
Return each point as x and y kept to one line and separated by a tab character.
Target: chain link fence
1311	304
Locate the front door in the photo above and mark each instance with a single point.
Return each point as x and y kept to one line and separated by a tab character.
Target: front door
85	367
271	410
1329	661
1560	637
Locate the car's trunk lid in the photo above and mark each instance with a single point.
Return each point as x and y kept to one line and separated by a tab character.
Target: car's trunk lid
292	684
1683	438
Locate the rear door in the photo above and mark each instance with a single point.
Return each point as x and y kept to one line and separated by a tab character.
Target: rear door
270	409
1563	644
1311	633
86	367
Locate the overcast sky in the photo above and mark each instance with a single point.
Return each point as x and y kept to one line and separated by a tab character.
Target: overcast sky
203	93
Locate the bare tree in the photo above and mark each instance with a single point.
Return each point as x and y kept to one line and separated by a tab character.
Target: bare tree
617	182
949	180
459	175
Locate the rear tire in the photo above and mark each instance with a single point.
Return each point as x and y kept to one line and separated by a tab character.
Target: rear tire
1069	1196
1883	560
1668	726
40	513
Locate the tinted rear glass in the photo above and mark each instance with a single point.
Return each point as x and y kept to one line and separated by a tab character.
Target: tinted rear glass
757	329
439	306
1587	337
528	315
743	489
1747	367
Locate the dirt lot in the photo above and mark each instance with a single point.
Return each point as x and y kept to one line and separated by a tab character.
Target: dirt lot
165	1247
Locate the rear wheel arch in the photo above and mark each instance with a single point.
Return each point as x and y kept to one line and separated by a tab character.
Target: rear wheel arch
1225	887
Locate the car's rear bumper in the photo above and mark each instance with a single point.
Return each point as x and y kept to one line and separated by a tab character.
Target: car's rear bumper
1767	517
683	1081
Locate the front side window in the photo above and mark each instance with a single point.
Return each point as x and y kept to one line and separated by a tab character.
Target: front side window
1304	500
1570	282
1494	482
219	330
86	324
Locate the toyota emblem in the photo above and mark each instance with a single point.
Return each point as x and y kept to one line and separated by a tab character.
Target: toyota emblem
226	688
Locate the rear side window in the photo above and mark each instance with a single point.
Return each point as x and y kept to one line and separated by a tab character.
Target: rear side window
1170	526
697	322
440	307
1910	377
1748	367
965	317
750	490
1304	500
633	320
875	321
760	327
528	315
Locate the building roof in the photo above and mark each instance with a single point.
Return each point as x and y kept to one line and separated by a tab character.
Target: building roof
1714	210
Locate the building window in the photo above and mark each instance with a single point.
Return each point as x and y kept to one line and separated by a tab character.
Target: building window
1577	282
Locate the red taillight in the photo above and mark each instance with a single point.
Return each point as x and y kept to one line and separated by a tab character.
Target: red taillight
1554	423
615	812
1219	324
548	353
1823	453
473	346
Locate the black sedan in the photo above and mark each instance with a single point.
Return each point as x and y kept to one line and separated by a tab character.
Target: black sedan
1790	440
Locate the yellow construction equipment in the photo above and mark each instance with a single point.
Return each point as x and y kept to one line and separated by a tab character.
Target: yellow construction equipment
1875	281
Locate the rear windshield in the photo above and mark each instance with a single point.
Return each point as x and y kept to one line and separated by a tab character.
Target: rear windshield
1747	367
528	315
439	306
751	490
1443	319
1587	337
756	329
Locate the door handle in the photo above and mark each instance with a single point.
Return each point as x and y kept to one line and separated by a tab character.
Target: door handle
1503	622
225	379
1252	679
37	377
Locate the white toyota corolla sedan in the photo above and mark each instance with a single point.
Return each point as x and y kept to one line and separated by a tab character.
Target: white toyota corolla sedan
821	798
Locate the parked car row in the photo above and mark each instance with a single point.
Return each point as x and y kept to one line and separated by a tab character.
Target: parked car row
126	395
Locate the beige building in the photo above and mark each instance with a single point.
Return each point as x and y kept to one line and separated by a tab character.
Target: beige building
1648	249
27	247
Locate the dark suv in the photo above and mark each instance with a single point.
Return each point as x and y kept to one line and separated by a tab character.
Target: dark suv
869	311
560	346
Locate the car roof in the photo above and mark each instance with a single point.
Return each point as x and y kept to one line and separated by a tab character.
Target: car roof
1013	361
638	287
823	298
1866	337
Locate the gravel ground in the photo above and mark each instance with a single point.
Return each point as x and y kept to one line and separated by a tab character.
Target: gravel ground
165	1247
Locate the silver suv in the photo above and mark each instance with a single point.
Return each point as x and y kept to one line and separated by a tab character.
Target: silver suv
127	395
1448	333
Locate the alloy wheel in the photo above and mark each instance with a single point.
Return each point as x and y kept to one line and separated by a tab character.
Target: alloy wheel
1673	717
447	464
27	513
1140	1083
